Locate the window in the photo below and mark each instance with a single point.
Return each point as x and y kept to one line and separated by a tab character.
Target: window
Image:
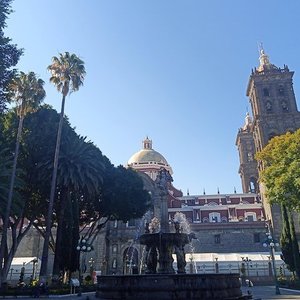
114	248
281	90
250	218
256	238
253	185
114	263
266	92
217	238
284	105
214	217
131	222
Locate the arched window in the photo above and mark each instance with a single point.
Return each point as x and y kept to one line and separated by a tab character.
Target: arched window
253	185
114	263
214	217
130	260
280	90
284	105
114	248
266	92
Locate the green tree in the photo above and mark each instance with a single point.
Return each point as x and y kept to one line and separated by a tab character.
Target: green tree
80	172
9	55
27	92
281	169
90	190
286	240
295	247
67	74
123	196
280	175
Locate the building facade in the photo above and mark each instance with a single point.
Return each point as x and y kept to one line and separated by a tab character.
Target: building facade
274	112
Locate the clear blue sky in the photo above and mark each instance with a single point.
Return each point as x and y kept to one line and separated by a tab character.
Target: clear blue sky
176	71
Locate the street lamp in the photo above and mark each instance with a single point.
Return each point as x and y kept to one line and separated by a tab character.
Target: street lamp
271	243
83	246
91	262
34	266
216	265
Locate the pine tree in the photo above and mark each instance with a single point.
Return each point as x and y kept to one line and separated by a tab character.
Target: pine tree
295	247
286	240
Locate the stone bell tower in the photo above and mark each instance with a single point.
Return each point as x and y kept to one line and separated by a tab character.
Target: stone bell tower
248	165
274	110
273	103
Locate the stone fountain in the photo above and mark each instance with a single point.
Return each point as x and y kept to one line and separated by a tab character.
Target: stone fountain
160	280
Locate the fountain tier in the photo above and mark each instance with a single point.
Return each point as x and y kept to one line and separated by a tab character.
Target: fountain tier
177	286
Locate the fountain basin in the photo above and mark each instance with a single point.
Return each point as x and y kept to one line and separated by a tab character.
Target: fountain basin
170	286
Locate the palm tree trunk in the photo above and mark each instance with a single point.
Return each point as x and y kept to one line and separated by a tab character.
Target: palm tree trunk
44	262
59	235
9	201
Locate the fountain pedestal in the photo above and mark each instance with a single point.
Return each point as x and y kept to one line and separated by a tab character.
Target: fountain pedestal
162	246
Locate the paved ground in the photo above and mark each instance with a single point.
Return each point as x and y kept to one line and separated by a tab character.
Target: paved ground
258	292
268	292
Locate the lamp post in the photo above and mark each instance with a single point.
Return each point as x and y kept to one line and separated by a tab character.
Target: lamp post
91	262
83	246
216	265
34	265
271	243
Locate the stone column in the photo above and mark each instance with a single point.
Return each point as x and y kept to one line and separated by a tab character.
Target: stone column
162	182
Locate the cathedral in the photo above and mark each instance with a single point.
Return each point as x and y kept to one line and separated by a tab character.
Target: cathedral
223	224
274	112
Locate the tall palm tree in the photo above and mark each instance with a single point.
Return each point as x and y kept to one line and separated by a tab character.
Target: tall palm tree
67	74
27	92
79	175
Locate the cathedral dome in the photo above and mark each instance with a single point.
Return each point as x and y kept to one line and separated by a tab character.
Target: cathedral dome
147	155
148	158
